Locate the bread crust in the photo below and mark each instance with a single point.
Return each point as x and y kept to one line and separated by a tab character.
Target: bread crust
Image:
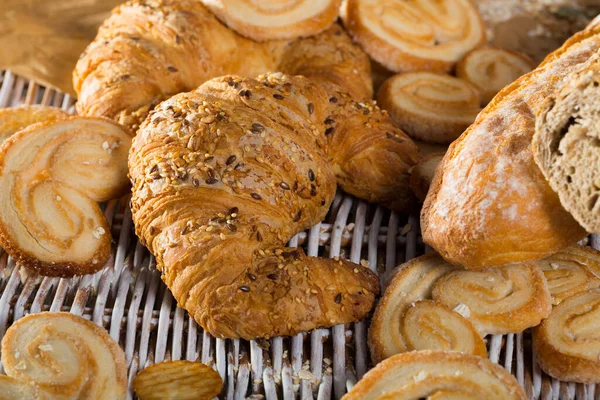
229	13
489	204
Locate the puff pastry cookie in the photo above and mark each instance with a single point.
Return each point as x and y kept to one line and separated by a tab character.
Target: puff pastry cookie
414	35
52	175
436	375
428	106
65	357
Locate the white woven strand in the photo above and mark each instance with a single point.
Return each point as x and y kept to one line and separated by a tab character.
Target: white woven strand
338	331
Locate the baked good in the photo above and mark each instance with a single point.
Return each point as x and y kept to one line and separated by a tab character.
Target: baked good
414	36
571	271
507	299
390	331
65	357
216	198
566	344
177	380
54	173
489	204
270	20
421	174
490	69
13	119
437	375
138	68
145	53
565	144
428	106
12	389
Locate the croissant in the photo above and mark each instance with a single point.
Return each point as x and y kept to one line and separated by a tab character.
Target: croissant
129	68
147	51
489	204
225	175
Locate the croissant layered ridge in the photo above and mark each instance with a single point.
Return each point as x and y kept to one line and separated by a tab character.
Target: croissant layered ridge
219	185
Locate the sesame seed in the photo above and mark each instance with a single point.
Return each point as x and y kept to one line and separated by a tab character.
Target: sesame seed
211	181
272	276
298	216
333	99
239	166
311	175
329	121
393	137
284	185
329	130
244	288
172	69
256	196
230	159
259	237
311	108
231	227
278	96
234	210
251	276
338	298
257	128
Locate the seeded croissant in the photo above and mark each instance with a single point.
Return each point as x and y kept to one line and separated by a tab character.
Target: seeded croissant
225	175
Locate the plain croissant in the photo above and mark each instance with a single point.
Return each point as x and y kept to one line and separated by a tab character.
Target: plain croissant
148	51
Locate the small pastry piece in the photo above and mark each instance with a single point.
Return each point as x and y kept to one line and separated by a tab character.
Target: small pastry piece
489	204
507	299
571	271
275	19
414	35
52	175
177	380
567	344
421	175
65	356
411	282
428	106
437	375
490	69
13	119
12	389
566	144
